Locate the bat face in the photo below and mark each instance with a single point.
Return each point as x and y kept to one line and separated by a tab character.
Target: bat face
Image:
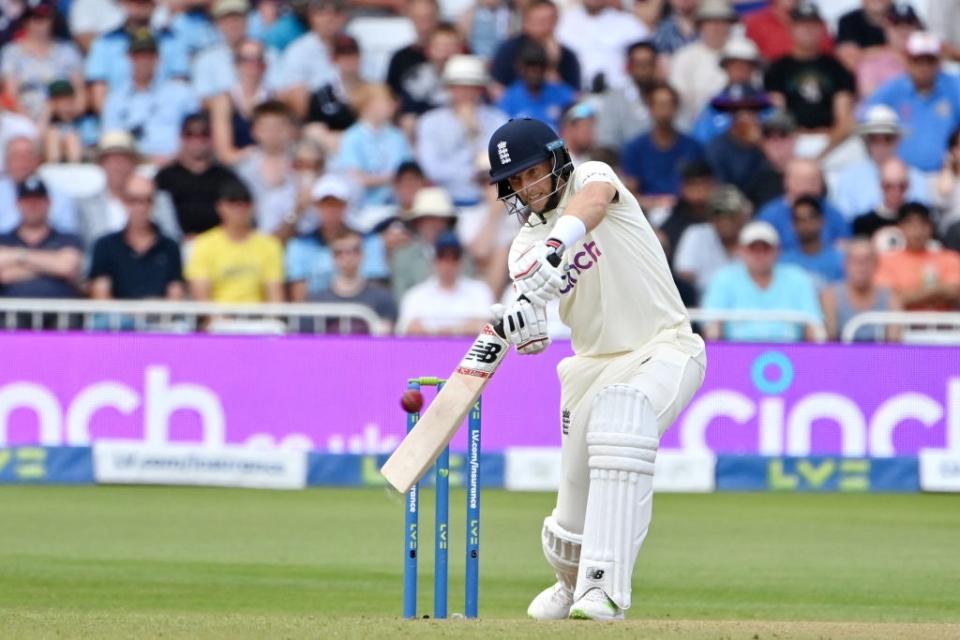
437	426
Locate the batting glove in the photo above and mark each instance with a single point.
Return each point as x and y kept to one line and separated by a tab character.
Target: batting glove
524	325
540	279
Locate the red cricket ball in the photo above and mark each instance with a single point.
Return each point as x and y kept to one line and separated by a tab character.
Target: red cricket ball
411	401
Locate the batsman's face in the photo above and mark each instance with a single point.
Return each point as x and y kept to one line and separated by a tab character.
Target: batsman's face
534	185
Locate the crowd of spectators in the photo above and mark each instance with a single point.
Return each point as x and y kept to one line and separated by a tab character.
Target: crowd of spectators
274	150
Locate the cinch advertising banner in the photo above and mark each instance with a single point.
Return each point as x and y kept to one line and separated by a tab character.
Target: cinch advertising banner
341	395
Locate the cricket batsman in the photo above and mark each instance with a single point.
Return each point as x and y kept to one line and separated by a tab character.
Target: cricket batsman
637	362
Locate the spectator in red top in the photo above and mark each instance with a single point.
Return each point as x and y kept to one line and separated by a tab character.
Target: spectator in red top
770	29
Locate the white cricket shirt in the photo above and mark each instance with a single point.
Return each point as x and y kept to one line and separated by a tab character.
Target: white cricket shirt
618	293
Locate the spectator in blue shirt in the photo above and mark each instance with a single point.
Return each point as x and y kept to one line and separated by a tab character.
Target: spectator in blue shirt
823	262
108	65
532	95
802	178
758	283
194	28
740	59
927	101
736	155
309	260
652	162
373	148
150	108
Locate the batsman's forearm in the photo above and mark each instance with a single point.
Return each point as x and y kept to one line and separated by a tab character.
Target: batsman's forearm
589	204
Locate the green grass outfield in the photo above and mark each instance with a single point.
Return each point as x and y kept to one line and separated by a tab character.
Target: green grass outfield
144	562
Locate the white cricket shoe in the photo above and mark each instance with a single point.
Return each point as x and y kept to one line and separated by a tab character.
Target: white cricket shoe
553	603
595	605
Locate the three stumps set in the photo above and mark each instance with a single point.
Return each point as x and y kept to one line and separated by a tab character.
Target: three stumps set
442	528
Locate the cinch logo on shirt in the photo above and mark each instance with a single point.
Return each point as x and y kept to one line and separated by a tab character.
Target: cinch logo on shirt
582	261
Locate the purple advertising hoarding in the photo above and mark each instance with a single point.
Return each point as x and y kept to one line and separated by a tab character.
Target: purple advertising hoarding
342	394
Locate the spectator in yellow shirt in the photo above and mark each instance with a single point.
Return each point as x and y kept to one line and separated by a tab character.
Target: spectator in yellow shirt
233	262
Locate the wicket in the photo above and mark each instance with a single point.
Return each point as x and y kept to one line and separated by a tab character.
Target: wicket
441	525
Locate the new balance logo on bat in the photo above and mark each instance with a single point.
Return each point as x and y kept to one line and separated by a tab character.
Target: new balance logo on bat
484	353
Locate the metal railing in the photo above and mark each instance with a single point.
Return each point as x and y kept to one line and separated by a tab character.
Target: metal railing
931	327
164	316
762	315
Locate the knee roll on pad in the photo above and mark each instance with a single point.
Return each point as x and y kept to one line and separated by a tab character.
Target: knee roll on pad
562	550
622	440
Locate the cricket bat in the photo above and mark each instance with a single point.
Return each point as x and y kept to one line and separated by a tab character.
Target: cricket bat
437	426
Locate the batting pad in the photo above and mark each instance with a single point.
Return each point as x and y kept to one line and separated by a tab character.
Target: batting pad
562	550
622	441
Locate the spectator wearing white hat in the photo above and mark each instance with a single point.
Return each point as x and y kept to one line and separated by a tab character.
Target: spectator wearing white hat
450	138
695	69
927	100
431	215
857	188
758	283
106	211
309	260
741	61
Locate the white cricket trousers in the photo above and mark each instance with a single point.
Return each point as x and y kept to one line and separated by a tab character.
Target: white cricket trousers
667	373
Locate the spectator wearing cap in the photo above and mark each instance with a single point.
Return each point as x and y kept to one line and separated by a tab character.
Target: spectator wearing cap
651	162
813	86
736	154
106	211
858	293
599	32
770	28
306	64
36	259
447	303
823	262
623	113
778	143
309	261
450	138
858	188
679	28
707	247
348	284
31	62
150	107
267	168
330	105
532	95
924	276
193	180
373	147
137	261
758	283
740	60
22	159
68	130
927	101
108	65
894	181
221	66
696	187
803	177
431	215
695	69
539	24
578	128
233	262
878	64
231	112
